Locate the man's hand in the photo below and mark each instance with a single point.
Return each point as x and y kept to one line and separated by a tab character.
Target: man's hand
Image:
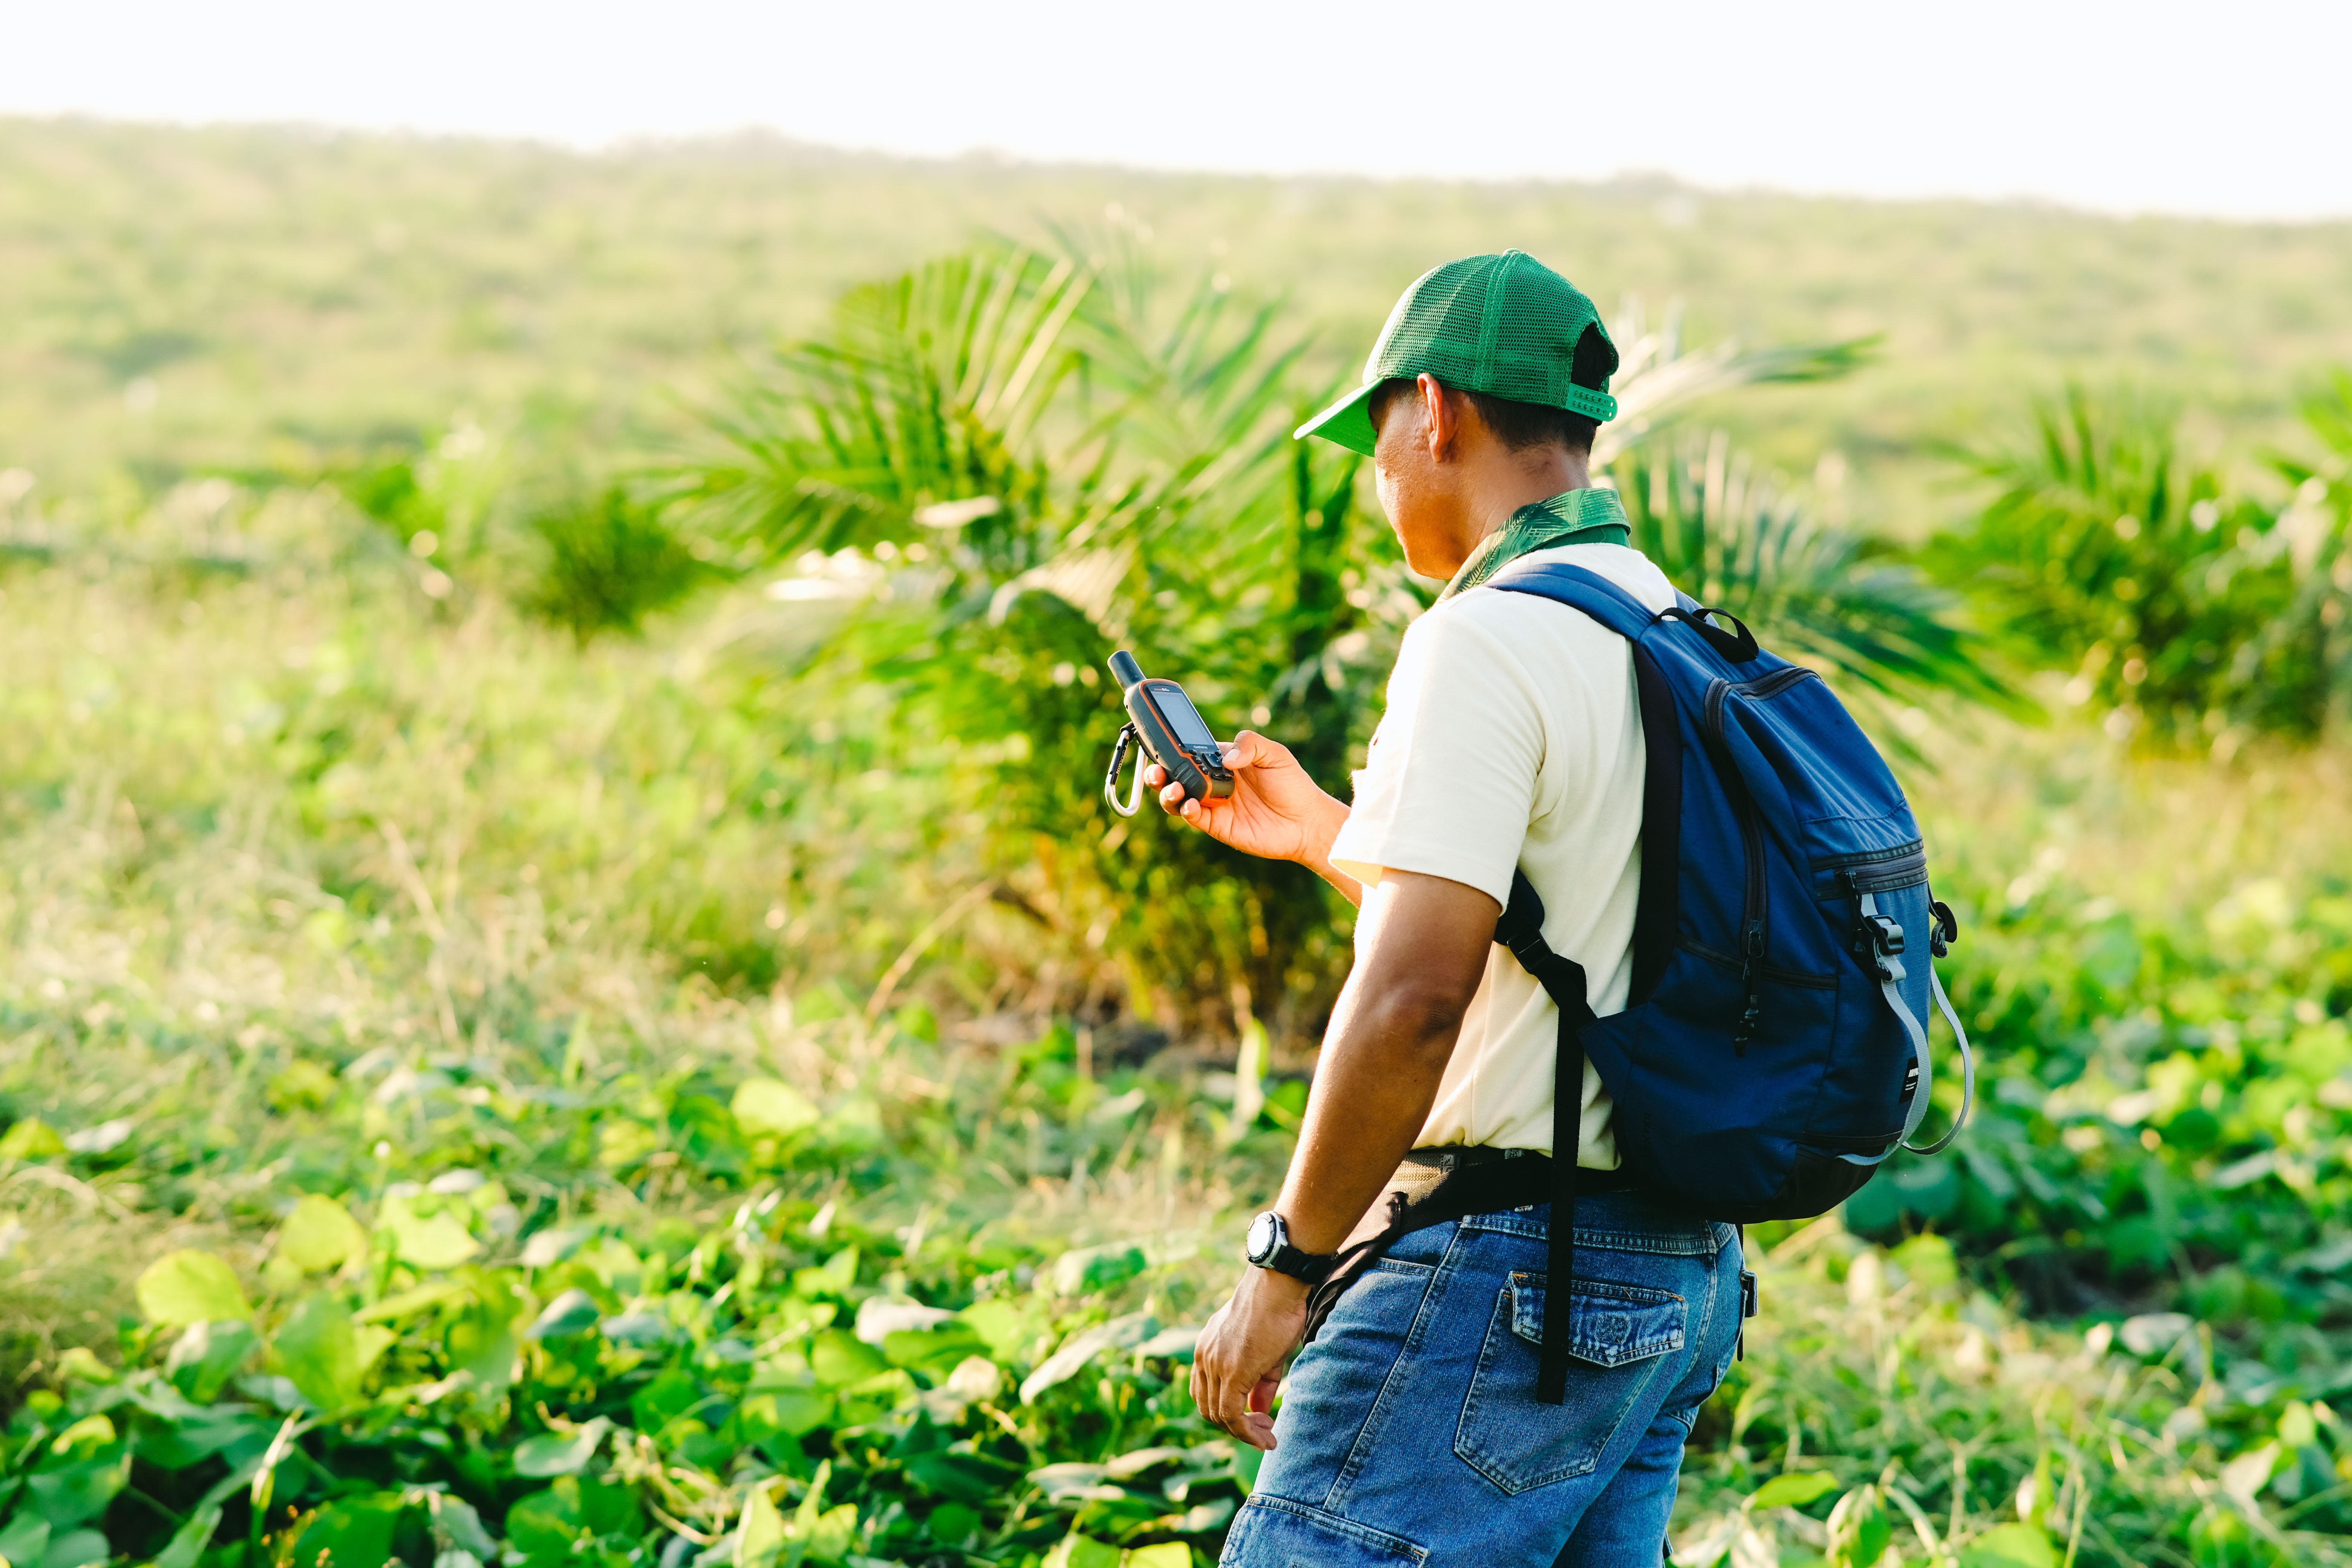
1237	1364
1275	812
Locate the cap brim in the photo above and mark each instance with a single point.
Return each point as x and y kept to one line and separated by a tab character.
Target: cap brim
1347	423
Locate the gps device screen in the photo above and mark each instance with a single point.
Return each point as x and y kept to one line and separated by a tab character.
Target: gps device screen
1191	731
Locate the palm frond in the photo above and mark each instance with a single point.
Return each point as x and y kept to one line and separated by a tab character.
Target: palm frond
1734	540
1656	375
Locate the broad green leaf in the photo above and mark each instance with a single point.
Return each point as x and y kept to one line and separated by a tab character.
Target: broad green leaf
2009	1546
545	1524
318	1349
1119	1334
69	1495
199	1436
456	1525
1176	1344
560	1453
1860	1529
760	1538
206	1355
966	1478
936	1349
1094	1268
603	1508
371	1340
769	1108
1167	1554
841	1359
951	1523
1076	1550
828	1535
190	1286
1008	1326
662	1400
1793	1491
481	1342
76	1549
793	1412
837	1274
574	1313
349	1532
24	1538
188	1541
436	1240
320	1233
31	1139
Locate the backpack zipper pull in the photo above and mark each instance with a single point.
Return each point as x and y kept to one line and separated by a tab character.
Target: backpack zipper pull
1751	1015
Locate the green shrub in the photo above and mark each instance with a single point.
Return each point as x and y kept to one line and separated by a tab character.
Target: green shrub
2189	616
607	563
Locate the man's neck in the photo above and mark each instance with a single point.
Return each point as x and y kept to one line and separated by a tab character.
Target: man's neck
1510	487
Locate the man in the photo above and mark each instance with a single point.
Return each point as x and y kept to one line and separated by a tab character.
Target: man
1411	1430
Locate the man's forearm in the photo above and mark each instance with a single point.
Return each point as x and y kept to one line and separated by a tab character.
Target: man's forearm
1373	1089
1385	1052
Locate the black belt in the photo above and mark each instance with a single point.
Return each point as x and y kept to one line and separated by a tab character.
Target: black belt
1464	1182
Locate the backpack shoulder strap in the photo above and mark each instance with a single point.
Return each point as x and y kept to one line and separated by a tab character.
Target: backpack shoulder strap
1578	589
1520	929
1661	793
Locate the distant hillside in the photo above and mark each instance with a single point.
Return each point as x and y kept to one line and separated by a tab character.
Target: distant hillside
175	298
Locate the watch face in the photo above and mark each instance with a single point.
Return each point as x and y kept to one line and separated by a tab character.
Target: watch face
1262	1238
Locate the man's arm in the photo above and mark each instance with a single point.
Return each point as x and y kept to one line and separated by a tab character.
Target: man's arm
1421	949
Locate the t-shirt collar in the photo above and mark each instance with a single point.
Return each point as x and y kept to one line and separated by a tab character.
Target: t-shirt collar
1571	517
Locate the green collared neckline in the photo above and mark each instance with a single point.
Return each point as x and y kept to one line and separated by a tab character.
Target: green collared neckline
1571	517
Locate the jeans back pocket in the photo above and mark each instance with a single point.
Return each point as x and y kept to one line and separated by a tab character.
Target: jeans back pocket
1616	1333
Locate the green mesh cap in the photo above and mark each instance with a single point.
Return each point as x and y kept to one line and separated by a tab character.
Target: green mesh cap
1505	325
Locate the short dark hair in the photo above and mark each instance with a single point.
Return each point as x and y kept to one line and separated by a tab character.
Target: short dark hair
1522	425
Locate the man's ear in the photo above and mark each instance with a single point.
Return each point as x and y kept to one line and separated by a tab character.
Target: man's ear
1441	418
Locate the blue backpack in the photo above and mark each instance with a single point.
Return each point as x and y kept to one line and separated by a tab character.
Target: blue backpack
1774	1048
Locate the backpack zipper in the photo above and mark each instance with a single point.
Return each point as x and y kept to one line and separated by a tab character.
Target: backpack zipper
1751	842
1774	684
1879	871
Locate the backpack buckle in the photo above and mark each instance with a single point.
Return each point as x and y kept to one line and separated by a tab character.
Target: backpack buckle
1877	939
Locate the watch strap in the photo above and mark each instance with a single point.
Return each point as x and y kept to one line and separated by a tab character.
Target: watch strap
1311	1268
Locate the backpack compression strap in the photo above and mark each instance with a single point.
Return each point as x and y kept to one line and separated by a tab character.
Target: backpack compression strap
1887	956
1520	929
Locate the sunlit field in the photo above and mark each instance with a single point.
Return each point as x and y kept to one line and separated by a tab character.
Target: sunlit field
566	991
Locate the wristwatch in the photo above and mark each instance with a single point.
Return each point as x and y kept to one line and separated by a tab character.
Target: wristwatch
1269	1248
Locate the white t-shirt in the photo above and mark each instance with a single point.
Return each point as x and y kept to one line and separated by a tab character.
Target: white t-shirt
1513	738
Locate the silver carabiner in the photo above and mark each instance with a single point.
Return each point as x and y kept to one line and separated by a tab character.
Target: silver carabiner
1126	739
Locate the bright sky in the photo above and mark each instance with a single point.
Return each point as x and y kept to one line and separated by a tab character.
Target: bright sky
2237	109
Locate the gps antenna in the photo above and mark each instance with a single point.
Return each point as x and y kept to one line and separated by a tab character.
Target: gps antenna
1124	670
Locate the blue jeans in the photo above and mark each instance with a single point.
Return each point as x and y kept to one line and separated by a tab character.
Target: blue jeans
1410	1433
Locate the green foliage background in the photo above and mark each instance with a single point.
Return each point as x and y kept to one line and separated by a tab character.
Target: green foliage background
542	1016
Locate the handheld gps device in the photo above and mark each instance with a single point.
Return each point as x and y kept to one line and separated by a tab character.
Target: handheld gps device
1173	733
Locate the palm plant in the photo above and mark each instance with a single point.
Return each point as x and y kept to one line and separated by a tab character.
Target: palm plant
2183	612
1052	461
996	468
